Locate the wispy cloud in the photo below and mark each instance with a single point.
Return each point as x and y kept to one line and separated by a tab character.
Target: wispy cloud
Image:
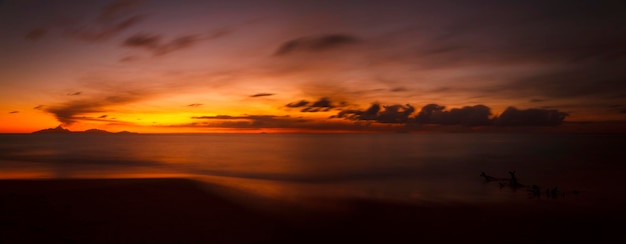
250	121
301	103
111	20
398	89
316	43
128	59
536	100
117	9
14	112
574	81
268	122
36	34
72	111
262	95
104	31
195	105
79	20
155	44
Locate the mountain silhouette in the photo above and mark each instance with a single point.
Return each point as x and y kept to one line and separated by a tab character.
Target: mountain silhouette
60	130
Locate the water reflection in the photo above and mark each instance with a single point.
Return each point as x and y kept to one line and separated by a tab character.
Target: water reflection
442	167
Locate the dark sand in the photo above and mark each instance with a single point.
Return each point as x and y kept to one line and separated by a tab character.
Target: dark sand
186	211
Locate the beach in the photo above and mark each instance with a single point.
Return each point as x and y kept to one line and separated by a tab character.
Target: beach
177	210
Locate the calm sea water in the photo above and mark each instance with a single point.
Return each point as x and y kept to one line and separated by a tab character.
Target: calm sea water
404	167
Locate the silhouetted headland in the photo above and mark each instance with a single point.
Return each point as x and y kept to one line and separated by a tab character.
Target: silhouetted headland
60	130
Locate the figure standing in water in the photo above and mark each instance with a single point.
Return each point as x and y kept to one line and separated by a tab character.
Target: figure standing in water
514	182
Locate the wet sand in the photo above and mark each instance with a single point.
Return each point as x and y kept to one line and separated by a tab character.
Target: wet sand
187	211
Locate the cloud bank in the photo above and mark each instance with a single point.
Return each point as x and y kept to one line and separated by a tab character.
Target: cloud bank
477	115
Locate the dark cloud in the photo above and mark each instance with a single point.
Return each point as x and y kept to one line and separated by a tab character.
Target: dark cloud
398	89
14	112
537	100
324	104
38	107
176	44
149	41
74	93
274	122
354	114
67	113
398	114
195	105
36	34
530	117
476	115
316	43
102	116
385	118
262	95
229	117
395	114
250	121
155	44
301	103
425	116
70	112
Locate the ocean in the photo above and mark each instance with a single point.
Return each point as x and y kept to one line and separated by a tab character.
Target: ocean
586	168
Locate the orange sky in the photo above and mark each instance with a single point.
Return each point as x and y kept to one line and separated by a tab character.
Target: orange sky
241	66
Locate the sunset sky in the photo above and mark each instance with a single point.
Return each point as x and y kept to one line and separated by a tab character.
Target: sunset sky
236	66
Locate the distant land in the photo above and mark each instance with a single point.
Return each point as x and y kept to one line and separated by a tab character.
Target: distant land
60	130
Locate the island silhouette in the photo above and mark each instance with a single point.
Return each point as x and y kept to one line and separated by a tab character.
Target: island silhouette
60	130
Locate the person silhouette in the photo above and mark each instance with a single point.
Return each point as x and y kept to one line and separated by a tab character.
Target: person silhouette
514	182
535	191
487	177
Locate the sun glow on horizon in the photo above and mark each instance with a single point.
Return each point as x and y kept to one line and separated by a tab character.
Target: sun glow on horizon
204	66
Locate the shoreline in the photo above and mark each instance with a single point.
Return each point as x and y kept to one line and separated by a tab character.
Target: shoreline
184	210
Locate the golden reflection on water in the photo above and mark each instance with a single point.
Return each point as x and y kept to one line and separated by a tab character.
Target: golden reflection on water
23	170
302	168
271	196
25	175
335	196
272	189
